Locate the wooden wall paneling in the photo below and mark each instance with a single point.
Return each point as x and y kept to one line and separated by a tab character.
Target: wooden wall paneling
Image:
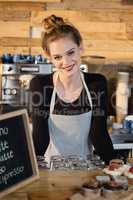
102	30
15	15
33	1
35	42
121	55
88	4
37	50
14	29
98	30
15	50
126	16
129	30
1	49
110	49
100	27
106	26
104	35
90	23
37	30
109	45
15	42
92	15
20	42
22	6
122	16
0	42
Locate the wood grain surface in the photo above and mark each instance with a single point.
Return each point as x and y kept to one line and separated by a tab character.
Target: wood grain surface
107	26
60	185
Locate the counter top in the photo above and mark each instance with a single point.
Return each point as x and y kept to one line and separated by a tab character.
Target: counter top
122	140
60	185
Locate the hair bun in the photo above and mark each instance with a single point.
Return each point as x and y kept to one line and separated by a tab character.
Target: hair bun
52	22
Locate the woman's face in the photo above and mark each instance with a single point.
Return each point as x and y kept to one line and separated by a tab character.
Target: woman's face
65	55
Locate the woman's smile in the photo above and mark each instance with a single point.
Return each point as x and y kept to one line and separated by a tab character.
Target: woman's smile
69	67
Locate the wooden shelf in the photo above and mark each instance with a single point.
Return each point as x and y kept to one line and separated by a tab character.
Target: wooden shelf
37	1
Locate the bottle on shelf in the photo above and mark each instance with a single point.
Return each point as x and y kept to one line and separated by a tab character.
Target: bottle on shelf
122	94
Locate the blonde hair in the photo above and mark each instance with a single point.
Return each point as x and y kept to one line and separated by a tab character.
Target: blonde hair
56	28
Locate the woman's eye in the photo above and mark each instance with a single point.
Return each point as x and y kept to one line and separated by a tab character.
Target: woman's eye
57	57
71	52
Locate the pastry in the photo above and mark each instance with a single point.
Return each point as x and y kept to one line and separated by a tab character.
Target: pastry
113	186
116	168
129	173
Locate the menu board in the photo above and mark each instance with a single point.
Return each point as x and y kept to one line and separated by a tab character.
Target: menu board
18	164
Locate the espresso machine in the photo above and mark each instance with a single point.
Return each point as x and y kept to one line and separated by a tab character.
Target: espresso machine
16	78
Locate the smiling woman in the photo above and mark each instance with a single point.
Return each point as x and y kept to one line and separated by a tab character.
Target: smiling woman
67	61
74	103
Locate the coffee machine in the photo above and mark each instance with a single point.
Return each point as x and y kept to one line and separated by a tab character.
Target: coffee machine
16	78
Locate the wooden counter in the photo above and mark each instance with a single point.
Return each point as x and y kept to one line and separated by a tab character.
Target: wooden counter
59	185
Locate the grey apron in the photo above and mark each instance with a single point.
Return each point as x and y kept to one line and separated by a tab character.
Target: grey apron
69	133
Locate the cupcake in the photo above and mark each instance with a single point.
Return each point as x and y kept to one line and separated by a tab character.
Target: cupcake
113	186
91	185
129	174
116	168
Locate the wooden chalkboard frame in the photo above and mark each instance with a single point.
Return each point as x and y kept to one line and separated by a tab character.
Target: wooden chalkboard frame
30	145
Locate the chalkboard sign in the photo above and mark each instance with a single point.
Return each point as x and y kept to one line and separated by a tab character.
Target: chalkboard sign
18	165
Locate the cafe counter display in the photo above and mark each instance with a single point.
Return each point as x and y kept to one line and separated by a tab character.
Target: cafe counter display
62	185
66	178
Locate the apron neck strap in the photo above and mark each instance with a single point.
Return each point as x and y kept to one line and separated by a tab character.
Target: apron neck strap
86	88
52	103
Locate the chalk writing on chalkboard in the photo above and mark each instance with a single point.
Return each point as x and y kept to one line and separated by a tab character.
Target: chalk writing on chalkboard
17	158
